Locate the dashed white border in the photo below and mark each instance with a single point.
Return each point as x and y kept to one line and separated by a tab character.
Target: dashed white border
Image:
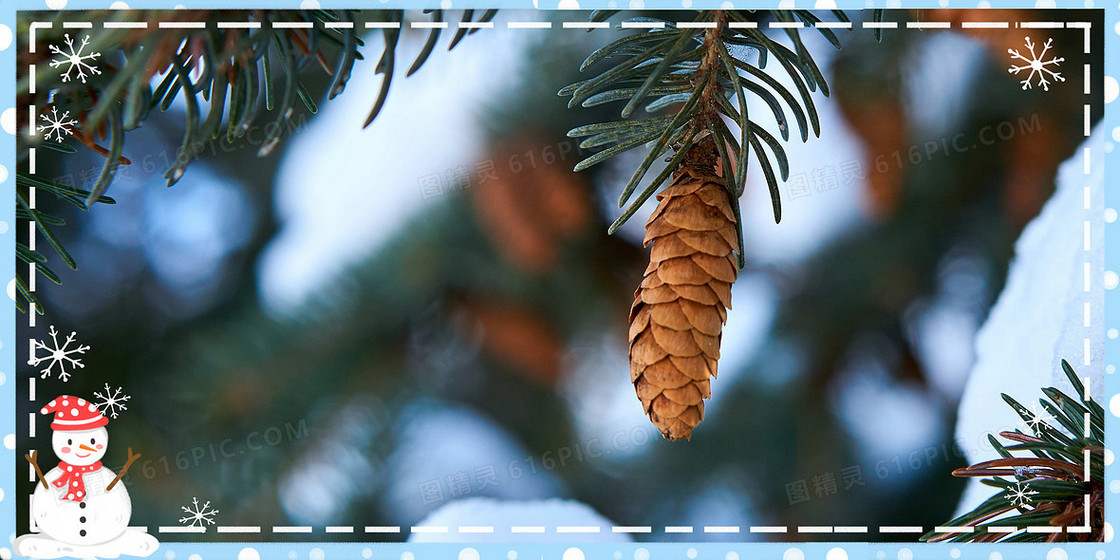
238	529
569	25
285	529
567	529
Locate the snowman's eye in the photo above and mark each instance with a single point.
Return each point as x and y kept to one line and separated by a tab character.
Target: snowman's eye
69	442
91	442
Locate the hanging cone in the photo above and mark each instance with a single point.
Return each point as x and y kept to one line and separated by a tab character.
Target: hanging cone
679	309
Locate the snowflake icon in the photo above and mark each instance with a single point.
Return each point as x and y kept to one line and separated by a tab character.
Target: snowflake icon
1037	421
75	59
56	126
1037	64
198	515
1020	494
58	354
111	403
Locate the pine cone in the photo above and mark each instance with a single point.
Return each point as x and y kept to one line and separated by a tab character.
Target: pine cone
679	309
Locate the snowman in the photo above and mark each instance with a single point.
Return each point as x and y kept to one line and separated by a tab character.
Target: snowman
80	507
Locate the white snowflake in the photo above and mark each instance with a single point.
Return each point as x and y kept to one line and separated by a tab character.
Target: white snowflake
1037	64
74	59
56	126
112	402
1020	494
1038	419
58	354
198	515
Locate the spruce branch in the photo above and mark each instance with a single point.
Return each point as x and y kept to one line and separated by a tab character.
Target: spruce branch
693	73
1057	483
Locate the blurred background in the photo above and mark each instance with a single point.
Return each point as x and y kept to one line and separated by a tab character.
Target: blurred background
367	325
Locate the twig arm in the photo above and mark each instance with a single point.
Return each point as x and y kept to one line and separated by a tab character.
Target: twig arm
33	458
124	469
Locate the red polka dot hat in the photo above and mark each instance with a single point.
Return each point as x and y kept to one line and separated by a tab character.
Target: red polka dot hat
72	414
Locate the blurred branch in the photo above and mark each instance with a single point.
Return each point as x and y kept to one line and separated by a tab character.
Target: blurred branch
235	73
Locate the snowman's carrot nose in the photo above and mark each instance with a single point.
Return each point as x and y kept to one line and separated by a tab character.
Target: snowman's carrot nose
86	448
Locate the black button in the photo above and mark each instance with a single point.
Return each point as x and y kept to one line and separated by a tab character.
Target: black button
82	532
81	519
82	505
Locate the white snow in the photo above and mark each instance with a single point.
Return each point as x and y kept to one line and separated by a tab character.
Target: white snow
133	542
1039	318
938	75
446	453
342	191
501	515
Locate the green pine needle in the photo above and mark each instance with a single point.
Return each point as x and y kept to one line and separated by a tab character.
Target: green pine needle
662	71
1053	486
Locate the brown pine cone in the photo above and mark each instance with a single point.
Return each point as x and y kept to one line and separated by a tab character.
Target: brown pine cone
679	309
